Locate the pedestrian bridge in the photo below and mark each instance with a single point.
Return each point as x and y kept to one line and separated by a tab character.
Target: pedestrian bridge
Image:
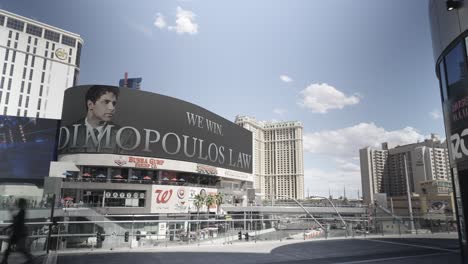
314	210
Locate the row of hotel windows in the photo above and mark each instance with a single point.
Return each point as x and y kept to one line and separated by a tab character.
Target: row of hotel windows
37	31
2	82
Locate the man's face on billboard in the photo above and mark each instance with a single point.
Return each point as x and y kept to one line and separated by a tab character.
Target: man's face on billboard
104	107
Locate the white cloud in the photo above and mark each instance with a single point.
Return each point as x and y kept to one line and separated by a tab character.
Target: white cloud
279	111
436	114
346	142
286	78
185	22
160	22
321	97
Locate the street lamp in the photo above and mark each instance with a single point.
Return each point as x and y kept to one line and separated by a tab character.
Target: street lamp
305	210
338	213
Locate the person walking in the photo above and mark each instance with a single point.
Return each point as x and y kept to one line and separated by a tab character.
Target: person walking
19	234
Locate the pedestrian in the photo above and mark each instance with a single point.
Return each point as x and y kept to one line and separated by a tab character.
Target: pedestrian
19	234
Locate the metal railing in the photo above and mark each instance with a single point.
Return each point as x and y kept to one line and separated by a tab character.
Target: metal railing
144	231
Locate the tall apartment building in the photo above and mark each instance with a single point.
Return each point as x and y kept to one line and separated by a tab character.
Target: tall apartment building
278	157
39	62
383	170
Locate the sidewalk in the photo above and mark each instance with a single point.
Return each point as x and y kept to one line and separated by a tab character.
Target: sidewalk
260	246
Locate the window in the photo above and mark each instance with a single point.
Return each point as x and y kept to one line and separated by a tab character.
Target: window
78	54
41	89
10	33
7	98
29	88
16	45
17	36
29	40
9	43
9	84
20	100
2	82
18	112
27	49
34	30
12	68
15	24
51	35
455	64
24	73
26	112
22	87
42	77
6	54
69	41
26	60
35	41
46	53
2	20
39	104
1	93
44	64
27	101
14	56
33	61
34	50
30	74
47	45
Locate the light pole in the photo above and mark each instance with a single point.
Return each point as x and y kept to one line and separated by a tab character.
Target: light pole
305	210
408	191
338	213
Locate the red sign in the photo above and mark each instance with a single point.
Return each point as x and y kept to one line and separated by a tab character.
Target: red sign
163	195
141	162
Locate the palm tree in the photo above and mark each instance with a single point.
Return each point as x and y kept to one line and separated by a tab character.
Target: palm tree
209	201
219	198
199	201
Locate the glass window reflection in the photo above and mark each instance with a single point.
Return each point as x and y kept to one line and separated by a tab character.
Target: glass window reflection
455	64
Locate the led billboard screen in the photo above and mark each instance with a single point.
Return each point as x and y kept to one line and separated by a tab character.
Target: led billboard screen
27	146
106	119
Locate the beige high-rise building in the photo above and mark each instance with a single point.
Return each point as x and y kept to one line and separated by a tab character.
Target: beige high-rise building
383	170
39	62
278	157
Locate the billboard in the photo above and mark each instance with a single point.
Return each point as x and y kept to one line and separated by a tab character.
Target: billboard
27	146
106	119
178	199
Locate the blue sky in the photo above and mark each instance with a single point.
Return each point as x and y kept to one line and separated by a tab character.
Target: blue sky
356	73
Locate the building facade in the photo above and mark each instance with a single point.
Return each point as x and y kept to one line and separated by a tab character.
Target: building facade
39	62
449	29
132	163
383	170
278	157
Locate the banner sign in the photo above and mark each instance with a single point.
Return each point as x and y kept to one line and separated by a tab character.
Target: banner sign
106	119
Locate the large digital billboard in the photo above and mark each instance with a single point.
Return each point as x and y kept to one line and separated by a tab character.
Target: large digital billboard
106	119
27	146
